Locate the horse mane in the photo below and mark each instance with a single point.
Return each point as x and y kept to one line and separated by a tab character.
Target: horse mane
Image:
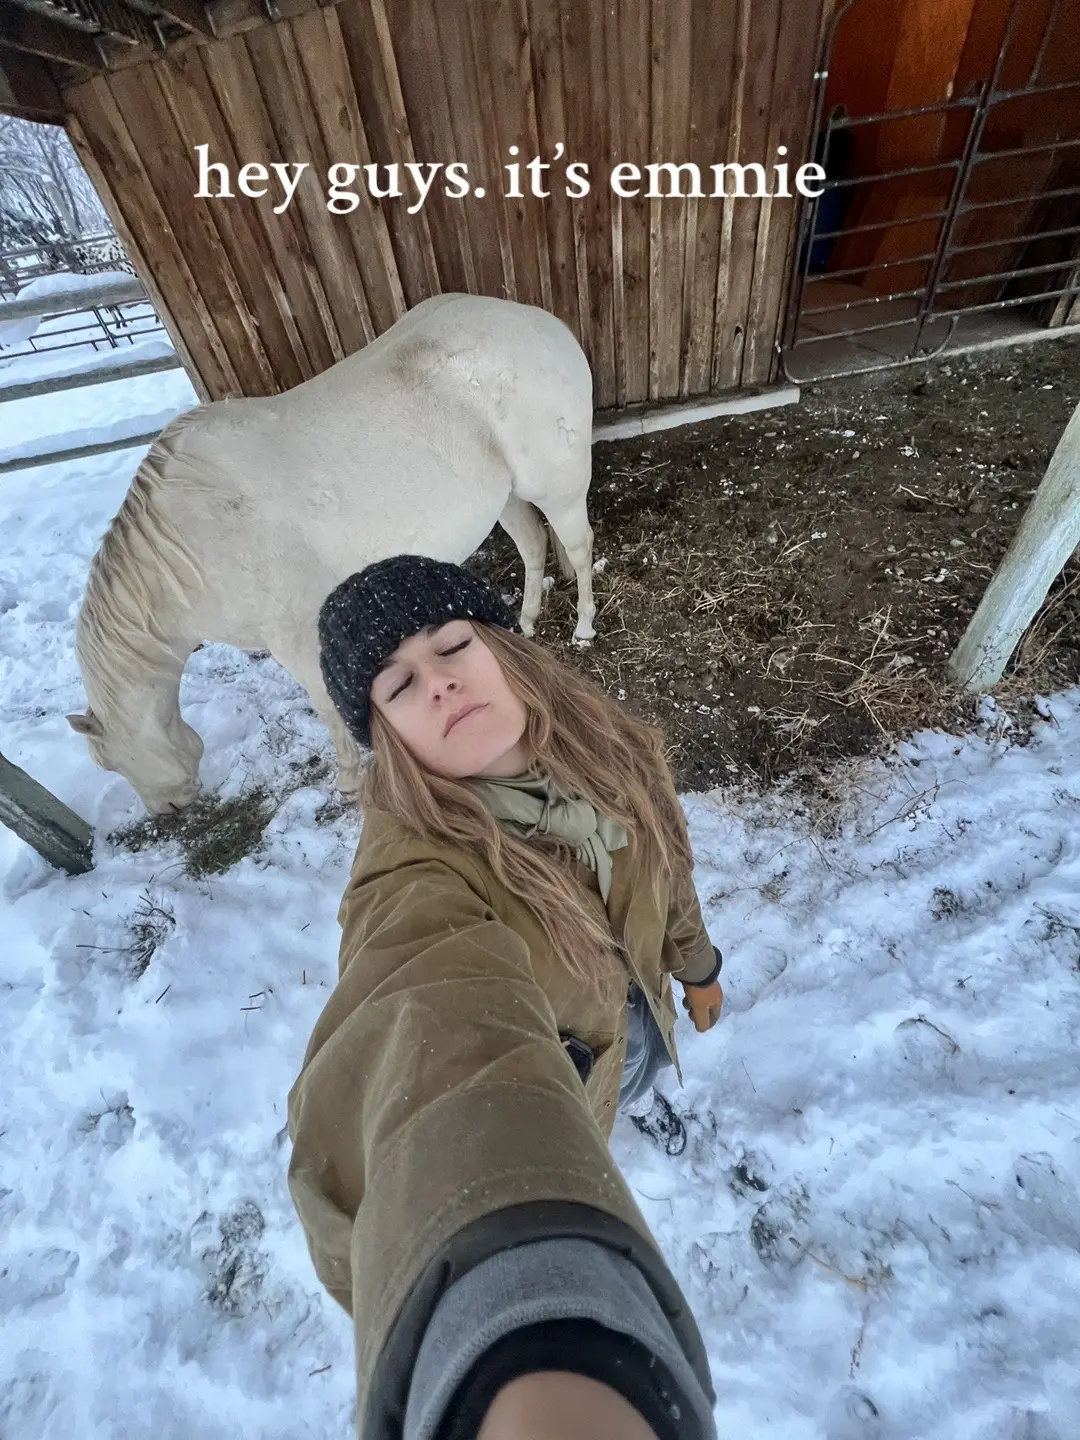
142	560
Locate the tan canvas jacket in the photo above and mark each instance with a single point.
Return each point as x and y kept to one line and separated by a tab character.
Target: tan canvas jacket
438	1117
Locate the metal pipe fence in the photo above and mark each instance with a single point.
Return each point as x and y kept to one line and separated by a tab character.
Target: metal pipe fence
959	259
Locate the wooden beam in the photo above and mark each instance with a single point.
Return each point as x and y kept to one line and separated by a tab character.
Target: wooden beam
1048	534
1067	302
644	419
113	18
133	240
230	17
27	90
225	19
192	14
63	838
34	35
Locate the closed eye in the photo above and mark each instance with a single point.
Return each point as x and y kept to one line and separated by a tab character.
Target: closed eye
453	650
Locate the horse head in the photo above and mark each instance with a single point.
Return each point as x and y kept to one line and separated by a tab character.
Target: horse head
159	759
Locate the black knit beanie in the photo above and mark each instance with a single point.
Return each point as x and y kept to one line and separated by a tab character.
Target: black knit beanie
365	619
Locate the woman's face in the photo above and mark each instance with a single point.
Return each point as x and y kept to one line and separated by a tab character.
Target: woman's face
444	694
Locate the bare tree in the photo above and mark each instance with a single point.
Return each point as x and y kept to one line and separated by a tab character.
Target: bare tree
45	194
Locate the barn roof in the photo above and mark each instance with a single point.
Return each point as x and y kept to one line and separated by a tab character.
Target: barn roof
46	45
669	303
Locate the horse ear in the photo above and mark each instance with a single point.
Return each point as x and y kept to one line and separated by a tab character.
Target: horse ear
87	724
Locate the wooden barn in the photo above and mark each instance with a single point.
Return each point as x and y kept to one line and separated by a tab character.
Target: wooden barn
949	131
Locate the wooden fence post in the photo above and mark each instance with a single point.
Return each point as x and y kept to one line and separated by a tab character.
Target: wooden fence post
44	822
1048	534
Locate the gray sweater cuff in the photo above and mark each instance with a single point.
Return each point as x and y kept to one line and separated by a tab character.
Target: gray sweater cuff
561	1279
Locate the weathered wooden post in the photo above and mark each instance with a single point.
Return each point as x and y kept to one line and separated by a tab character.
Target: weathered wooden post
43	821
1048	534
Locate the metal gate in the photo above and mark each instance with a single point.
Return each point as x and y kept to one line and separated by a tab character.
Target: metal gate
914	321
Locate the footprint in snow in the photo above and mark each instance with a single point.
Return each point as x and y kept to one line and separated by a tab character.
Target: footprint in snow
234	1267
852	1415
747	976
751	1175
778	1226
923	1044
113	1125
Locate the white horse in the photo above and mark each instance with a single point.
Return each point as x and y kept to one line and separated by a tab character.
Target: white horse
246	513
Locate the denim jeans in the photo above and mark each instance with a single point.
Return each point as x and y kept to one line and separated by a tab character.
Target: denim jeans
646	1053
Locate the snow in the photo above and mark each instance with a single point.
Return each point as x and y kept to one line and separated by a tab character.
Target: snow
64	283
875	1217
46	423
13	332
898	1063
140	425
81	359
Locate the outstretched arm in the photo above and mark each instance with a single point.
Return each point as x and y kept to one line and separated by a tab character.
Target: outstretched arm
438	1122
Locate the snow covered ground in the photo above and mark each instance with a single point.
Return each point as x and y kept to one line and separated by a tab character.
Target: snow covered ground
875	1218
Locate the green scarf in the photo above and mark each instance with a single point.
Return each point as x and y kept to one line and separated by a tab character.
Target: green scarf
533	805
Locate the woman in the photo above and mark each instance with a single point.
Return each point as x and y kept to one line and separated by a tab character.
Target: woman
520	896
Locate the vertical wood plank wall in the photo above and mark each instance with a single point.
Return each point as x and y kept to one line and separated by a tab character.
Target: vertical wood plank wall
670	298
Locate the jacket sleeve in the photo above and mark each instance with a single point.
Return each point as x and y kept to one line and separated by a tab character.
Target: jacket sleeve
701	960
561	1304
434	1091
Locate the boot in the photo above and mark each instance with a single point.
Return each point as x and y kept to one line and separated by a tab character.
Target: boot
662	1125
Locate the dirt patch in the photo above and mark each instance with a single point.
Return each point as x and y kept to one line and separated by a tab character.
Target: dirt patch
782	589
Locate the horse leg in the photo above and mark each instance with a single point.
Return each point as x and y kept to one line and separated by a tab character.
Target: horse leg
565	568
569	523
522	523
304	669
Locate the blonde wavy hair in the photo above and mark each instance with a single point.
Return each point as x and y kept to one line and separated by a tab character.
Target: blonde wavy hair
591	748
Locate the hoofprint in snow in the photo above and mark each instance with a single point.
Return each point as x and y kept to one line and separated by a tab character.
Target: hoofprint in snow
874	1219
